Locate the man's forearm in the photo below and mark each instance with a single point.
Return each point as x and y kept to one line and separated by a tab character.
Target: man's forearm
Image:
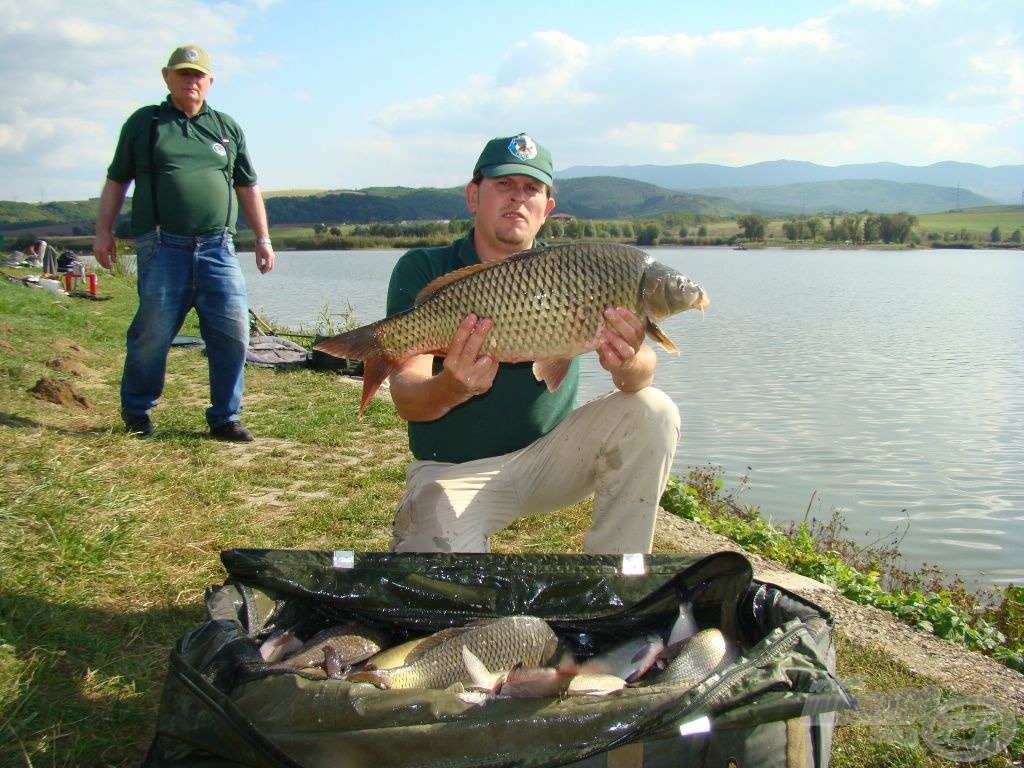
111	201
251	202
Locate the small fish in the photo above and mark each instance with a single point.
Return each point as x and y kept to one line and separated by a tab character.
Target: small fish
547	305
352	642
520	682
686	625
279	644
693	659
628	660
497	643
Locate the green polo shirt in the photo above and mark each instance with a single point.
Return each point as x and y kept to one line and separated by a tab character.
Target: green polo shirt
191	166
512	414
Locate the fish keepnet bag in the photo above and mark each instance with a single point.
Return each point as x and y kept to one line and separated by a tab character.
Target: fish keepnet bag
772	704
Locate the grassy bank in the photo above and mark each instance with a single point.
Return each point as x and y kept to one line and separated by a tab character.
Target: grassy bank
107	543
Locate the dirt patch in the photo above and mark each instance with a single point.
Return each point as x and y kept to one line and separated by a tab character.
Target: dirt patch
71	349
61	392
6	346
70	366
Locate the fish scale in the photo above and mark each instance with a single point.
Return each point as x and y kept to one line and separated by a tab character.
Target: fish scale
538	301
546	304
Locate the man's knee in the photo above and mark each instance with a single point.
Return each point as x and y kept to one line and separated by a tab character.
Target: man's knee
652	409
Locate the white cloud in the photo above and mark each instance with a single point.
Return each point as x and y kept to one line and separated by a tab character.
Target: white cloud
74	71
911	81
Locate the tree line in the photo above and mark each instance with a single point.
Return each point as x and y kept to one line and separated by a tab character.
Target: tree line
850	228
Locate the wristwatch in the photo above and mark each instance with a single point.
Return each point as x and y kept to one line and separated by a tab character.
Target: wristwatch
262	241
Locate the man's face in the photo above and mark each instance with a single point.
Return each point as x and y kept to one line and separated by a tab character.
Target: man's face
509	211
188	88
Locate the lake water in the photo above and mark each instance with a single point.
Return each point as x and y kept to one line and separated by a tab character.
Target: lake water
886	385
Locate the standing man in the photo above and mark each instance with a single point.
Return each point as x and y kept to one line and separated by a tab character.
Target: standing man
190	164
490	443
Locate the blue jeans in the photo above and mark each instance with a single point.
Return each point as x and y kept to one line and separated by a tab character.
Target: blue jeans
176	274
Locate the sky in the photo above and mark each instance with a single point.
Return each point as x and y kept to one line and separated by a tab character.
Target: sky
348	95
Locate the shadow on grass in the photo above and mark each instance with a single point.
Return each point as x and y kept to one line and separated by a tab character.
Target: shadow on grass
81	685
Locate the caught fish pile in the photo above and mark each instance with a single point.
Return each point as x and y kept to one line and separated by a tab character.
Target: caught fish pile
513	656
547	306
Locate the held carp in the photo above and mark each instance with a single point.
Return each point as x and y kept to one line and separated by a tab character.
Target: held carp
547	305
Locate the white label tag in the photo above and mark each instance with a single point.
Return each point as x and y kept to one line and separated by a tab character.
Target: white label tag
344	559
700	725
633	564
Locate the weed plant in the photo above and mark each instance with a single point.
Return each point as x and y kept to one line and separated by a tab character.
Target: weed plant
990	622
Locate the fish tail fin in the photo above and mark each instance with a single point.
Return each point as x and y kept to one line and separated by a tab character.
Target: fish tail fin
362	344
356	344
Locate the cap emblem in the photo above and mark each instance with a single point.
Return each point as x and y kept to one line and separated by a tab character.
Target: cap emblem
523	147
191	54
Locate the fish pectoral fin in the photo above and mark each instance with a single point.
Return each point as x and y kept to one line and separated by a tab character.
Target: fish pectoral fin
552	371
659	336
374	678
483	679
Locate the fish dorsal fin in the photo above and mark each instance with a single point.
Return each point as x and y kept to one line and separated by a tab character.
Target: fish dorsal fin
659	336
444	281
436	639
441	637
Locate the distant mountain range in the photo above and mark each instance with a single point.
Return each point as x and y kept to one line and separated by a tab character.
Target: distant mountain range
1003	184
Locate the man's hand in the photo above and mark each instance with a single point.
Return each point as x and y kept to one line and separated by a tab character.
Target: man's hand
468	370
264	257
104	249
622	351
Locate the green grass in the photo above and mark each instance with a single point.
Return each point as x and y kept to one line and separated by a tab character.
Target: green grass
978	221
107	543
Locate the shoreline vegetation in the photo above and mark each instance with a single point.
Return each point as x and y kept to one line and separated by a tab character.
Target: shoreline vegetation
1000	227
107	543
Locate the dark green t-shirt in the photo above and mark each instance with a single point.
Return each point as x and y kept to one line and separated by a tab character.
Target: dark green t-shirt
191	166
512	414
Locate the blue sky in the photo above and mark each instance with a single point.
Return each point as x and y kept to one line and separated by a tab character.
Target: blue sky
345	95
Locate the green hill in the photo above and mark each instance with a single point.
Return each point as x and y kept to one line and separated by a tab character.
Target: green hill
606	197
15	215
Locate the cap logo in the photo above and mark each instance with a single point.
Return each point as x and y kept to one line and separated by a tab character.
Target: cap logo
523	147
191	54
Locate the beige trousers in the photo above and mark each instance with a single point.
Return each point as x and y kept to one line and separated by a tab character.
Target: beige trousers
617	448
